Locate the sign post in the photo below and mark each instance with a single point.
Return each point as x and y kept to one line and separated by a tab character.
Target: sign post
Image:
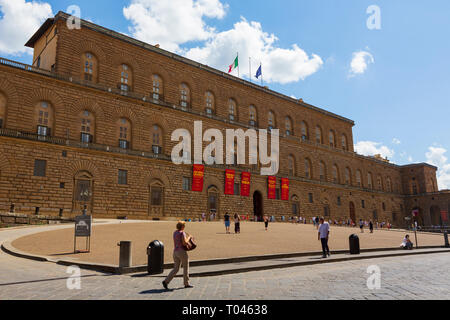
83	225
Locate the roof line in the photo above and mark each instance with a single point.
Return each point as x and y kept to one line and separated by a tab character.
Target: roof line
123	37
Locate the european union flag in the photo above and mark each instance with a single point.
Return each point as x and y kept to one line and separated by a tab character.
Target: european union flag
259	72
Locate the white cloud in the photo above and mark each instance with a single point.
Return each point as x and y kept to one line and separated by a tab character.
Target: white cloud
172	23
370	148
436	157
360	62
19	22
396	141
175	23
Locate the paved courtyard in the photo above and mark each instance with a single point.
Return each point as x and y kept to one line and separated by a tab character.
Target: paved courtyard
211	238
412	277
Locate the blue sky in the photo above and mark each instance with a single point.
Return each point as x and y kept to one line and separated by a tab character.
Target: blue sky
403	95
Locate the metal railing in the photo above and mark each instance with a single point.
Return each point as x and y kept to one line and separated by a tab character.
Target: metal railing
75	144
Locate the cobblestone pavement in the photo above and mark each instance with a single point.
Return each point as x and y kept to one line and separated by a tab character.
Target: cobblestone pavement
412	277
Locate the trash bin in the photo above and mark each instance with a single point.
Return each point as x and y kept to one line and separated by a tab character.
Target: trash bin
155	253
447	245
354	244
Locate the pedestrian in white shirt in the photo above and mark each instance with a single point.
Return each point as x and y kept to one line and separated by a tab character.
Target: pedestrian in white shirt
324	232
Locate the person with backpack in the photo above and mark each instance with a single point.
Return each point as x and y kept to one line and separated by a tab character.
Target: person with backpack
226	218
181	240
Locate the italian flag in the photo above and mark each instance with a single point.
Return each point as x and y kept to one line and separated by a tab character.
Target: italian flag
234	65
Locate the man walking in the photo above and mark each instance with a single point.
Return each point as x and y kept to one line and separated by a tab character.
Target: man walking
324	232
371	226
227	222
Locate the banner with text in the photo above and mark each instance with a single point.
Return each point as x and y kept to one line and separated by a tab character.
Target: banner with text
197	177
284	189
272	187
229	182
245	184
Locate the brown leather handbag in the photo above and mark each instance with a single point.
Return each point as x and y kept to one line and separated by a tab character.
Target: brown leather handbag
191	245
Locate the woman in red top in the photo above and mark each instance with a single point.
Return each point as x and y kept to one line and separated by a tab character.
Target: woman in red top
180	256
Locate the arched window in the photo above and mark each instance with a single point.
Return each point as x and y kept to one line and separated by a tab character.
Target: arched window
89	67
232	110
322	171
335	174
270	120
304	131
348	176
210	103
369	181
295	205
2	110
44	118
126	78
291	165
87	127
213	200
156	198
253	116
308	171
388	185
332	139
344	142
185	96
358	178
415	189
379	183
158	91
83	191
288	125
124	133
157	145
319	135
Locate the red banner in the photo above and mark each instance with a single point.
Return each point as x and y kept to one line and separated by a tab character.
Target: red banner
444	215
245	184
272	188
229	181
284	189
197	177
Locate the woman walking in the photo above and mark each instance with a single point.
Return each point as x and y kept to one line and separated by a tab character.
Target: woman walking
266	222
180	256
237	224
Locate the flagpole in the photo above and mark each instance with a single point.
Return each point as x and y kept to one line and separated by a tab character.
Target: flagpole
262	82
250	68
238	64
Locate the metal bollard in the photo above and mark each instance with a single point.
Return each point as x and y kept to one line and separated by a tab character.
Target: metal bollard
125	254
447	245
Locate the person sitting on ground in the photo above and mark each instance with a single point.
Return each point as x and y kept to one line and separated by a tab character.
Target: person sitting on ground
407	244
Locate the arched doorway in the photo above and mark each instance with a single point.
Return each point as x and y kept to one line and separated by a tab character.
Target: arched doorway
213	201
352	212
83	192
435	216
258	206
